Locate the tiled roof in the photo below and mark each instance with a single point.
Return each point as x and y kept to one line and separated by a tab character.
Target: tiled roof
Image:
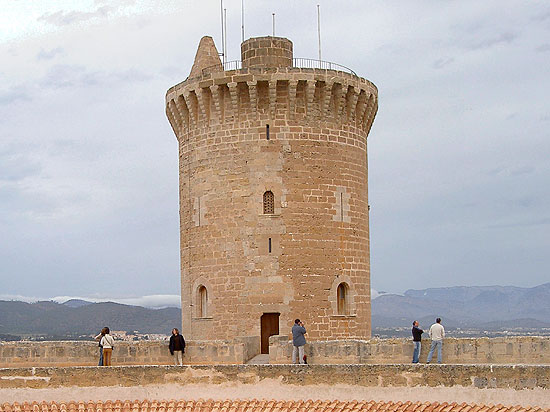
258	406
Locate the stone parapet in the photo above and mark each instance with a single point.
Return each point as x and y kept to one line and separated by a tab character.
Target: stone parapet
78	353
467	376
513	350
509	350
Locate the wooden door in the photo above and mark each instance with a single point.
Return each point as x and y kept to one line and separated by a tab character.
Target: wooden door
269	323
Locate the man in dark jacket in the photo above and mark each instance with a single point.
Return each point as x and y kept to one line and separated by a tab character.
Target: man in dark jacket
177	346
298	341
417	339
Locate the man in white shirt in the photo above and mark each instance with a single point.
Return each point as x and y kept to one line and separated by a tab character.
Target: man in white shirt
437	333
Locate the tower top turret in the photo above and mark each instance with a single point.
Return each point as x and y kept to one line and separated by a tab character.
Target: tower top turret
266	52
207	56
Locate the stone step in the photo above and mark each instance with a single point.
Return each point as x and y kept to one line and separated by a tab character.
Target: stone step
261	359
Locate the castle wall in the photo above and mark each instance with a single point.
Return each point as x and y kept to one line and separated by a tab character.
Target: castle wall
315	164
514	377
78	353
511	350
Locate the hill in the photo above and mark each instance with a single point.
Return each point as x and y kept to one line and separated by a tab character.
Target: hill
480	307
54	319
477	309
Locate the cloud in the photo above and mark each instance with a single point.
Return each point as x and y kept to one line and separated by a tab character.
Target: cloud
442	62
64	18
17	167
525	223
64	76
543	48
148	301
503	38
542	16
49	54
13	95
510	171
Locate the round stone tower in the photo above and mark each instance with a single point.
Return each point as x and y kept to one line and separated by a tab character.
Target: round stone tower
273	194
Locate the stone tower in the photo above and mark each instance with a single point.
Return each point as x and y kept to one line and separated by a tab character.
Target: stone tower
273	194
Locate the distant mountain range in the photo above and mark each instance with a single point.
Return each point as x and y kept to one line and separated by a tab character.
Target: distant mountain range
480	307
474	307
79	317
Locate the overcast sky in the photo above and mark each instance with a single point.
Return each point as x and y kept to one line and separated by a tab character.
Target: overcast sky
459	154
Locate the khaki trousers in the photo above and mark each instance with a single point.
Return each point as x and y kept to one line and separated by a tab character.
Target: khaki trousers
107	352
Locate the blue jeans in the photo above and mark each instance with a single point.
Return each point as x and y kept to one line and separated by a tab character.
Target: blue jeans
416	353
435	344
100	356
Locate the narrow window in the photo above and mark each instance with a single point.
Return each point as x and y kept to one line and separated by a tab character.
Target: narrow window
341	207
269	203
267	131
199	207
342	299
269	245
203	302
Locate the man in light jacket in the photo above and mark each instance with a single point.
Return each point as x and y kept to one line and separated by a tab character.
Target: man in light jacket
298	341
437	333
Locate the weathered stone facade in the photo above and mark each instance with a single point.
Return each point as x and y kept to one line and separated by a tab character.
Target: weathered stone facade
529	350
466	376
512	350
298	137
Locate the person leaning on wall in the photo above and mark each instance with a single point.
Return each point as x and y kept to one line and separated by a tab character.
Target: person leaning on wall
177	346
108	343
98	338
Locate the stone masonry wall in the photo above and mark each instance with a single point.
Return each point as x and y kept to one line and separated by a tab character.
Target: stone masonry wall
467	376
301	134
78	353
510	350
266	52
513	350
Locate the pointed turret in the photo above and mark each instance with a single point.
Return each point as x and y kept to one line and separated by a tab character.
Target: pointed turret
207	57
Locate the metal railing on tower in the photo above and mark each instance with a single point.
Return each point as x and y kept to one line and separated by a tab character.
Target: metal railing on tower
300	62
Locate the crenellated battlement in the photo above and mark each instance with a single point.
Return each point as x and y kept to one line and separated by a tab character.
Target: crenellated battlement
302	94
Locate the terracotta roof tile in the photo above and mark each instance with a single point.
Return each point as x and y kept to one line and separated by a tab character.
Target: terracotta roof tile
255	405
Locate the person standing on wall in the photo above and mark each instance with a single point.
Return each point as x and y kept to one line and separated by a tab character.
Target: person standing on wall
417	341
108	343
298	341
177	346
98	338
437	333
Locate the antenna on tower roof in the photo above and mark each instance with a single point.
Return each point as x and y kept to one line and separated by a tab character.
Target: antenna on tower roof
223	42
319	29
225	35
242	20
273	14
